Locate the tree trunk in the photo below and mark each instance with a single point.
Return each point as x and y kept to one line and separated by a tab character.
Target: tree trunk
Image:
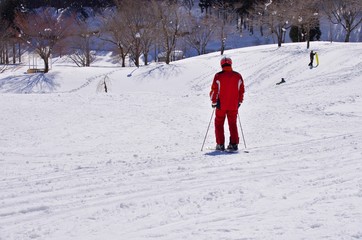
123	61
348	34
123	55
308	36
261	31
280	39
222	42
203	49
222	47
146	58
279	33
168	56
7	54
46	64
46	68
87	52
19	52
14	53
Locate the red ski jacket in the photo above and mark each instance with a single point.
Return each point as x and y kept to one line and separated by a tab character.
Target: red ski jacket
228	88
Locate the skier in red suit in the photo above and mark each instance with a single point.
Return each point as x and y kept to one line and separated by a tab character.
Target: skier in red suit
227	93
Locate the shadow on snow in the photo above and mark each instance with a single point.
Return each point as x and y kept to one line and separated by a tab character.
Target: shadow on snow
34	83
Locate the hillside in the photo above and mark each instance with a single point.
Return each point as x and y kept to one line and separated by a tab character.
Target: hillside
78	163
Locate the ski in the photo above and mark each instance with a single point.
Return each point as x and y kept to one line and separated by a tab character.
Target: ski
212	149
231	151
222	151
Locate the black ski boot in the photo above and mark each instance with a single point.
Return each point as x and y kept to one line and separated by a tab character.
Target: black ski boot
232	147
220	147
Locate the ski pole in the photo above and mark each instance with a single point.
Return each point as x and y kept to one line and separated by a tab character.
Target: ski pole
212	114
242	132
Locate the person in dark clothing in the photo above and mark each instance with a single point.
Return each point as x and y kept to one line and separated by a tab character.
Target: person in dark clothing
311	58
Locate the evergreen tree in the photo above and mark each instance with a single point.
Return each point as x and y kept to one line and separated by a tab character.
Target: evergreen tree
294	34
8	9
205	5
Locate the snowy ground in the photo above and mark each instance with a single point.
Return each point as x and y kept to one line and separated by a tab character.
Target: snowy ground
80	164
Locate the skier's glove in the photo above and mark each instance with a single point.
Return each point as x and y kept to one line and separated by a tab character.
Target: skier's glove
239	104
216	104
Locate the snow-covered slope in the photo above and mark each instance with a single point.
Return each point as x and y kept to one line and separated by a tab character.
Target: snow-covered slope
77	163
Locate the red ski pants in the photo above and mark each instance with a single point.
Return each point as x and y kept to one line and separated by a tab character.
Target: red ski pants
219	126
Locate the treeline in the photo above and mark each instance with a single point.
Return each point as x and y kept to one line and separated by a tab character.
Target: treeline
32	4
64	27
203	4
135	28
8	7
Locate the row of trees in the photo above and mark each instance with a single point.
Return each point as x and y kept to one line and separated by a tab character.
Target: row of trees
33	4
135	27
278	16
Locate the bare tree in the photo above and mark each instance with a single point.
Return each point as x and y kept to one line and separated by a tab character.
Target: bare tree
277	16
132	29
15	43
226	14
188	4
135	18
200	32
147	34
306	16
169	25
115	31
4	39
205	5
82	42
44	31
348	13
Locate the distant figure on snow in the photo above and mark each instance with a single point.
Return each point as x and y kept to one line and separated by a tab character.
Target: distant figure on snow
282	81
311	58
227	93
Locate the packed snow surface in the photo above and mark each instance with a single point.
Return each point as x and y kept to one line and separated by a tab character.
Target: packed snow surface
79	163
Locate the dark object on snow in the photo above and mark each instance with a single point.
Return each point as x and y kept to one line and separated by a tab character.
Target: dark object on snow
311	55
282	81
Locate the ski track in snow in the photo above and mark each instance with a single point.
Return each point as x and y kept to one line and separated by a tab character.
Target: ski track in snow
127	165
